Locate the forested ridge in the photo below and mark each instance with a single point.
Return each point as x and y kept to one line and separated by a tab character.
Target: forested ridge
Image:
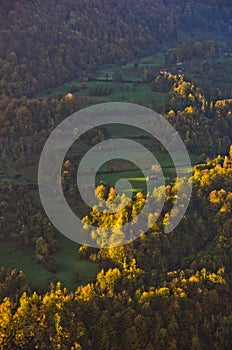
44	43
162	291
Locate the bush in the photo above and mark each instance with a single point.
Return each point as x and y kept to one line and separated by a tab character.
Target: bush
50	264
75	275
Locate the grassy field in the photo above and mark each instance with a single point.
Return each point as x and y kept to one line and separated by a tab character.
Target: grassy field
136	177
19	258
117	170
131	73
127	90
67	258
123	92
137	180
14	257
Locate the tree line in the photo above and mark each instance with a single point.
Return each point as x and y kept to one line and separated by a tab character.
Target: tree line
161	291
46	43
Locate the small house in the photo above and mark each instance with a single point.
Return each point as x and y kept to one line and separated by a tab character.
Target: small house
85	79
179	64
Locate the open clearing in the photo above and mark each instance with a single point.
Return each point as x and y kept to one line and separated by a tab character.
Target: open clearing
15	257
130	89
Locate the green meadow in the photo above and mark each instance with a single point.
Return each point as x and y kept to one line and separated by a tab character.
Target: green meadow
15	257
130	89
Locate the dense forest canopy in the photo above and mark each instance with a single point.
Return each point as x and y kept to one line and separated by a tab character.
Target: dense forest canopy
161	291
44	43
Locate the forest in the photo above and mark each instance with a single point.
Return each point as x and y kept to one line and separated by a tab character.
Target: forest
161	291
45	43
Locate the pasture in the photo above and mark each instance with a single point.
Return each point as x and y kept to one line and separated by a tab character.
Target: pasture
131	88
15	257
